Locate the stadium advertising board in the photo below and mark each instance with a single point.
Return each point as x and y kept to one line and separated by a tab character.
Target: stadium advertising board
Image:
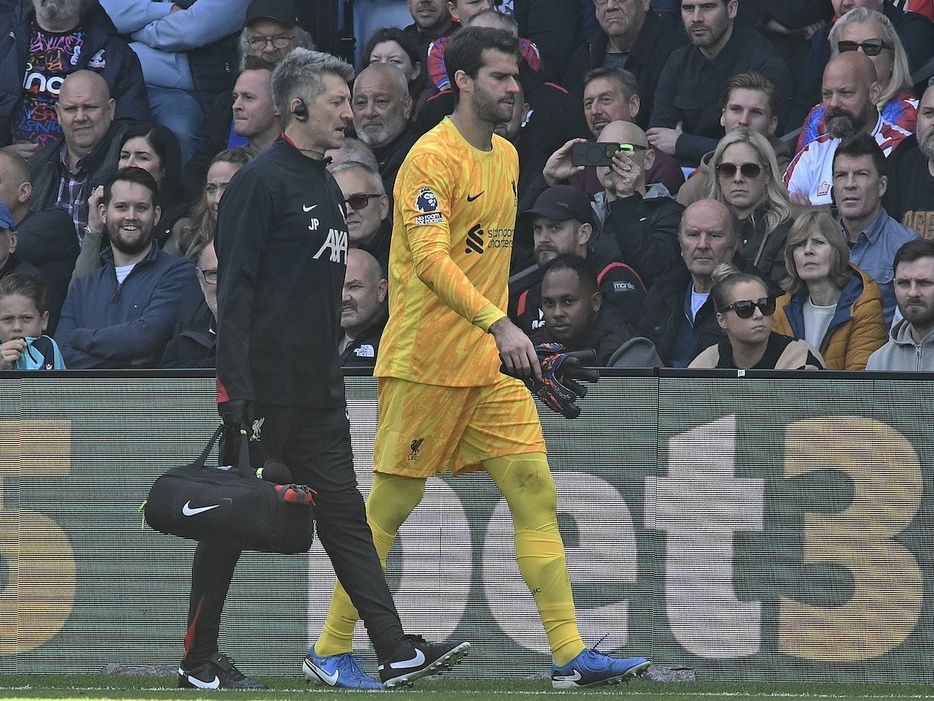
749	528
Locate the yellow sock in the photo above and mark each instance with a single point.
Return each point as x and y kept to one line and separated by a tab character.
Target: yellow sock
526	483
392	499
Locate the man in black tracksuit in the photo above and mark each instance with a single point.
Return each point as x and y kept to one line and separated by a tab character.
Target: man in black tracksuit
282	251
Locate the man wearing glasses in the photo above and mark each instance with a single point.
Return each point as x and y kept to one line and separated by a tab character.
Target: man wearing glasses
366	207
194	341
271	31
641	222
634	224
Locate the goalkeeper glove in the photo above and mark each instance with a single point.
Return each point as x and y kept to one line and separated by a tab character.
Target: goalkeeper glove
558	389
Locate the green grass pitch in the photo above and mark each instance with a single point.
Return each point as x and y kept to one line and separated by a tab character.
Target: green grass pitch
86	687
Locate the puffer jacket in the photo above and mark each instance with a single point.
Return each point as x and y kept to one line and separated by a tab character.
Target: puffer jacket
856	330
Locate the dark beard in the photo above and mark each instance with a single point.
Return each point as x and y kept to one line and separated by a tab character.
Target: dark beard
840	125
486	111
127	248
926	146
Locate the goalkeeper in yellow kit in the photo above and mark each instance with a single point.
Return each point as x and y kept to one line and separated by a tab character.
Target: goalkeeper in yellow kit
443	401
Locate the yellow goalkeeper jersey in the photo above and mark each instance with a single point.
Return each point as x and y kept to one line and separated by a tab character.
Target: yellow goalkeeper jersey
453	220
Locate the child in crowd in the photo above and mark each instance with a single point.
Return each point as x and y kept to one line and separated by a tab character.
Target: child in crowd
23	318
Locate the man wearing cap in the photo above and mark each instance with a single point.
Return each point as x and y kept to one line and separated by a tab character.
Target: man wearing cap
271	31
187	50
562	222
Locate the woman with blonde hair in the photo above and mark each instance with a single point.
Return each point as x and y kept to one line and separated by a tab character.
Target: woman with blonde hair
830	303
744	311
871	32
747	180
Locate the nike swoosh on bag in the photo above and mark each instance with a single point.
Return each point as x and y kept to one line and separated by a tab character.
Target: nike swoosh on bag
187	510
416	661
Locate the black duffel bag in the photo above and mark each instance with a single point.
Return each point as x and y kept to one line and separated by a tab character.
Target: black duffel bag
233	505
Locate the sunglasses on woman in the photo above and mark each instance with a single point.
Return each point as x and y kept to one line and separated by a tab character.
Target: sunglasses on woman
744	308
749	170
870	47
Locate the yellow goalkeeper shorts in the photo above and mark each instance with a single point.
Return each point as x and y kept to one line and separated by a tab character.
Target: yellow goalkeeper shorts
425	430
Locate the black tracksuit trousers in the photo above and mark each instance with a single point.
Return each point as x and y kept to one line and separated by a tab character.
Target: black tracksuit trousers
315	445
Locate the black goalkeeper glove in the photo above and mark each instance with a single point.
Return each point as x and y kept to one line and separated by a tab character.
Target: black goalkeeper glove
558	389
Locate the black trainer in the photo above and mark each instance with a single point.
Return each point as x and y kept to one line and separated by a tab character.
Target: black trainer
416	658
216	672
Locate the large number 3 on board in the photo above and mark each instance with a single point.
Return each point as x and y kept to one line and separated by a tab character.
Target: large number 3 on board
887	591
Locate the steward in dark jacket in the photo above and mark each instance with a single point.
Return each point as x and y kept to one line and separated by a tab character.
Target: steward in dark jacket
194	341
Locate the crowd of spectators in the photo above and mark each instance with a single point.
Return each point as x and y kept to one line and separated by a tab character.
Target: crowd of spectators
781	151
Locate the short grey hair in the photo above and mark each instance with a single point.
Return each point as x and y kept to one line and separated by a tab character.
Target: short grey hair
399	82
300	75
376	182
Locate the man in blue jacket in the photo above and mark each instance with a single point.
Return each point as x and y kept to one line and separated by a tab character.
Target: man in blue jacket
41	43
122	315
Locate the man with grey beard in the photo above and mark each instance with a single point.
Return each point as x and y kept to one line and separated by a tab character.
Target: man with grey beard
850	91
910	195
381	110
41	43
